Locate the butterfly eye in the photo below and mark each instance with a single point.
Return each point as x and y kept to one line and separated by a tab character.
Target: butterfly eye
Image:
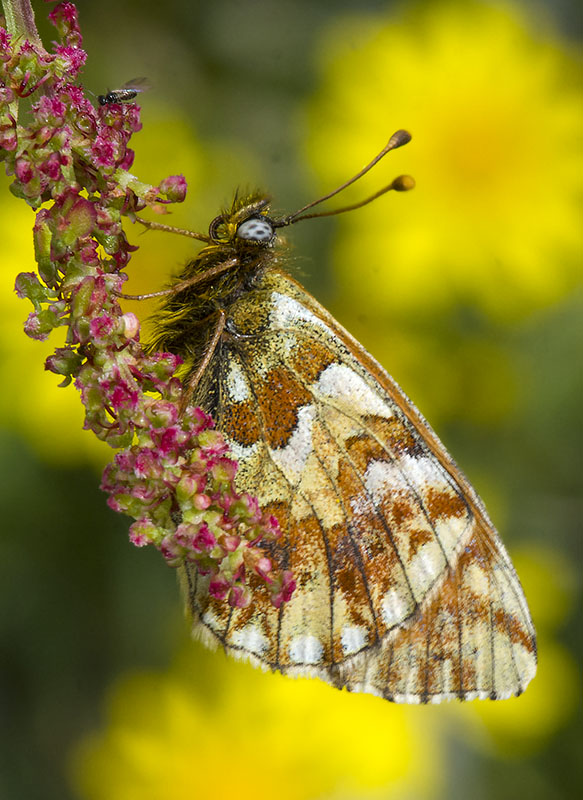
217	229
256	229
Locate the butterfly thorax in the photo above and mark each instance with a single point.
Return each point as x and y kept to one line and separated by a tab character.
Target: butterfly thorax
241	248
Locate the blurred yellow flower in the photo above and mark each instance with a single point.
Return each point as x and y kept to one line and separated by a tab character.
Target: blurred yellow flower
495	111
215	727
247	734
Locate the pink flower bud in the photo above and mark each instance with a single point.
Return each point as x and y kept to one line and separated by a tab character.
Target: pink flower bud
239	596
201	501
224	469
174	188
141	532
23	170
263	567
204	541
102	327
218	587
184	534
271	528
230	543
282	589
131	325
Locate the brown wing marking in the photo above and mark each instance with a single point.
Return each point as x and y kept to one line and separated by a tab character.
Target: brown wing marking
370	487
469	639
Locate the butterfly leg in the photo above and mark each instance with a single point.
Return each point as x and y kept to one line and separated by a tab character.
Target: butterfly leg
193	381
159	226
179	287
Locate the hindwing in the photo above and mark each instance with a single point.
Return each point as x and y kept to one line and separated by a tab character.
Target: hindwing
404	589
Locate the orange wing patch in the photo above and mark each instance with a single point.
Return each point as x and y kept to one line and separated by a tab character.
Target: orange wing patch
403	587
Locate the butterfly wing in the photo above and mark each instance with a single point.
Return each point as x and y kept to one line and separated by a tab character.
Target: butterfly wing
404	589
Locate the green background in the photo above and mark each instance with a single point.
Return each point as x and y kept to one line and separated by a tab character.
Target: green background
79	606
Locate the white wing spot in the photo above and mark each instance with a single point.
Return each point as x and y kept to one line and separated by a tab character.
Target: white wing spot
209	619
477	579
288	311
353	639
236	383
343	383
393	608
382	477
426	565
306	650
250	638
292	458
242	452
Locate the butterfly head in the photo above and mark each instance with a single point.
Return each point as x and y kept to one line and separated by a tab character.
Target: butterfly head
246	225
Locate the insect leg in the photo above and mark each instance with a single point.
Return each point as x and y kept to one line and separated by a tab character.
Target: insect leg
179	287
159	226
212	346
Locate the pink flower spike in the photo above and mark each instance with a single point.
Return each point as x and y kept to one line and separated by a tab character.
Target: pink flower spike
173	474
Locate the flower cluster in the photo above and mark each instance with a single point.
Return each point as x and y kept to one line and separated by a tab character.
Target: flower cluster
179	470
173	475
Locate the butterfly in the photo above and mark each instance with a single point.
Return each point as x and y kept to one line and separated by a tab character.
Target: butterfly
404	589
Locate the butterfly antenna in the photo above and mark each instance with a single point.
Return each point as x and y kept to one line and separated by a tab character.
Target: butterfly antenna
402	183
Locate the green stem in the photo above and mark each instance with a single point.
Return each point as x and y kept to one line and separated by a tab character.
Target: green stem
20	21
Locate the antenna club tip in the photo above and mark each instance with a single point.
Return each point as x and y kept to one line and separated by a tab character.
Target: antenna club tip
398	139
403	183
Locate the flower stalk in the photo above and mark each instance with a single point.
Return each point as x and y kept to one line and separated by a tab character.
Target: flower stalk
70	162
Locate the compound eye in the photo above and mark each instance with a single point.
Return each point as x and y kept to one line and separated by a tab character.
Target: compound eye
256	229
215	232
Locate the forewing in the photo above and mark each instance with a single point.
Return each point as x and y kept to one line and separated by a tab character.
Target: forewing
403	587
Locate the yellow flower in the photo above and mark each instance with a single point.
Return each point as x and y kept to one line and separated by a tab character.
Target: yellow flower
215	727
494	107
245	734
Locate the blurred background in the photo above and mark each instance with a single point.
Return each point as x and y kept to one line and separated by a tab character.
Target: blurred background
466	291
